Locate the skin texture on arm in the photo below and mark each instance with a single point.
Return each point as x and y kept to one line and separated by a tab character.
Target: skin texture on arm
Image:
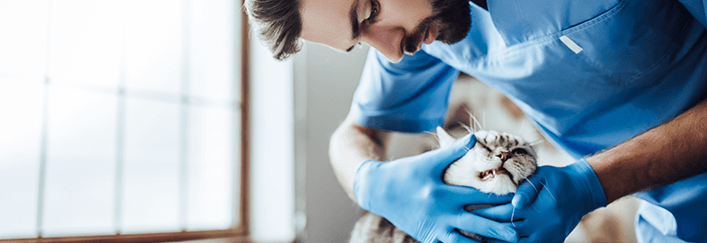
665	154
352	144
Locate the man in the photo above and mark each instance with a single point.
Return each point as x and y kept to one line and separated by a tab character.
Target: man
619	85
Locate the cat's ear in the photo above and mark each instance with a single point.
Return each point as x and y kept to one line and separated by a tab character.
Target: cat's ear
444	138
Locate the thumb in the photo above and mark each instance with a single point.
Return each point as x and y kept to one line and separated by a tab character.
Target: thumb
442	157
527	192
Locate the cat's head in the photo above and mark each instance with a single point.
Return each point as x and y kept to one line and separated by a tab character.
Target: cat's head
498	163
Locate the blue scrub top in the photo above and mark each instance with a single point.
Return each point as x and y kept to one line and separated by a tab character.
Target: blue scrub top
590	74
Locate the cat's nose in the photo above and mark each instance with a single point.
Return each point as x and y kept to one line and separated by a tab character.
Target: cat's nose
503	156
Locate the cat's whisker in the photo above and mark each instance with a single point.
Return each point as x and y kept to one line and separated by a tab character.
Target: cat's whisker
533	185
512	214
522	125
470	129
467	128
476	122
548	191
479	153
533	144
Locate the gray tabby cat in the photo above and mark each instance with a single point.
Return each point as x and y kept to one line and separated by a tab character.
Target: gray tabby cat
498	163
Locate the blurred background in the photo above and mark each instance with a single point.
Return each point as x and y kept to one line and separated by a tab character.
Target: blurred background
162	120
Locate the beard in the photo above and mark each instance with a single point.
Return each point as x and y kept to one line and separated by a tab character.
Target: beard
452	18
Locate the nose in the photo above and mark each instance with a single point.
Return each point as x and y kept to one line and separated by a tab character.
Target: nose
503	155
386	40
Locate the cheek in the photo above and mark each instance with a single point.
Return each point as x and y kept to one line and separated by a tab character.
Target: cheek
407	13
481	155
524	164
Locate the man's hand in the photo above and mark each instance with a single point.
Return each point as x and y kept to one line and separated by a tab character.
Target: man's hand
411	194
554	200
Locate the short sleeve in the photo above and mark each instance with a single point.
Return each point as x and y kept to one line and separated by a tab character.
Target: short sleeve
410	96
697	9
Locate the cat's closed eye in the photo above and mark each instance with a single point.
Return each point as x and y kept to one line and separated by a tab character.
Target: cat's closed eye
519	151
484	146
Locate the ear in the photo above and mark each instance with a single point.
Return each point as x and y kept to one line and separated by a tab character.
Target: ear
444	138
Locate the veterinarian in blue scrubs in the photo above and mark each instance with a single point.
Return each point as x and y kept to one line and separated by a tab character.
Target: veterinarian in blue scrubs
619	84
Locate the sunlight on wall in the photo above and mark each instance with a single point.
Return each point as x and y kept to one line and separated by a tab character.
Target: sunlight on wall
272	149
118	116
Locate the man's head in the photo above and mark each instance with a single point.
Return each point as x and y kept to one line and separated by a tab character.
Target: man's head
279	25
393	27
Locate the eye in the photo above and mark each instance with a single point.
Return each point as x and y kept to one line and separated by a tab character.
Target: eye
519	151
484	146
375	9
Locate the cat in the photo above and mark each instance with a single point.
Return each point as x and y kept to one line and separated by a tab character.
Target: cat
498	163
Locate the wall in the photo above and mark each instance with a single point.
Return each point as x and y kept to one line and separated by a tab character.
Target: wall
271	205
325	80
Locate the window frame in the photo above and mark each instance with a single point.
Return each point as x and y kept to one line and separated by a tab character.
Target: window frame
238	232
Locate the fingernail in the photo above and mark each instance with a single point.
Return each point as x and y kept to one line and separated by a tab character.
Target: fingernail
518	201
470	140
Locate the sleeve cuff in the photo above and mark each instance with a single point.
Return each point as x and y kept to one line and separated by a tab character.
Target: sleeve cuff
591	183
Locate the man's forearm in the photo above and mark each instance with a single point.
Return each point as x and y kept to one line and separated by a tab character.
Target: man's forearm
665	154
350	146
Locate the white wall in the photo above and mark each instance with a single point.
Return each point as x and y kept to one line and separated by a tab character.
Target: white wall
325	81
271	204
295	107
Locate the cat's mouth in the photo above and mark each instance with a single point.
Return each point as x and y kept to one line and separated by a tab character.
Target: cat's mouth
490	174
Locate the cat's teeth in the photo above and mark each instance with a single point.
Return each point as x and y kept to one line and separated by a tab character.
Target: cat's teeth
488	175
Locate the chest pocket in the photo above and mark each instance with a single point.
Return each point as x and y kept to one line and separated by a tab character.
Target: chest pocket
520	21
629	40
592	70
613	48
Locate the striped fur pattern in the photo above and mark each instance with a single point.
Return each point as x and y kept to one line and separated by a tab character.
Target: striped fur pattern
498	163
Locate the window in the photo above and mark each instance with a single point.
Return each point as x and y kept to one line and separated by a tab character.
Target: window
120	119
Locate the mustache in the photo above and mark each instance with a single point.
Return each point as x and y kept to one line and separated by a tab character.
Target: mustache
452	18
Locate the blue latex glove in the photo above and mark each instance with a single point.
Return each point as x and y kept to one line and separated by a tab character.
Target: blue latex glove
410	193
554	200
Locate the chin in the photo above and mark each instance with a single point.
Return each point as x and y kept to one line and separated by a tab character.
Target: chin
501	185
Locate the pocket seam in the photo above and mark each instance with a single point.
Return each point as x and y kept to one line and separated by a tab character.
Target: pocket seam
555	36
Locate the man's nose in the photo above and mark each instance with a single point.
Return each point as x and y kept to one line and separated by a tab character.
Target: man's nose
386	40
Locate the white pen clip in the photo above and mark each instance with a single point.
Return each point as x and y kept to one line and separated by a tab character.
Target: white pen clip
570	44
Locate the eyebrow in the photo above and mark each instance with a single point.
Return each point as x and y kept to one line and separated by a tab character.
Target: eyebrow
353	17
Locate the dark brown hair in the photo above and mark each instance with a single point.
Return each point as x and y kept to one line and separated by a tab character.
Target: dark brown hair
278	23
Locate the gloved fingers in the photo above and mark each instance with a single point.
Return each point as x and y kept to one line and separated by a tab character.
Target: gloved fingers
494	241
528	191
447	155
468	195
501	213
537	238
529	239
485	227
456	236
